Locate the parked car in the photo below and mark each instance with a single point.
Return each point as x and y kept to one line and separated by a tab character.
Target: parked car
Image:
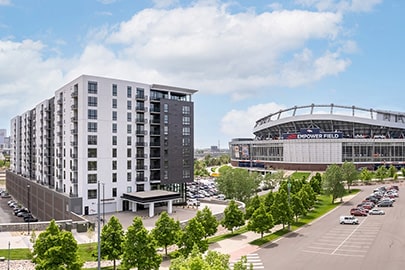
348	220
385	203
376	212
193	202
357	212
30	219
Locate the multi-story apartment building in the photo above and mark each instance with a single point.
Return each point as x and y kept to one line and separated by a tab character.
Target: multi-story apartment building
134	140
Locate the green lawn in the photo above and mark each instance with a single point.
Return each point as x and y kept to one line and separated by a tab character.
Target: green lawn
300	175
88	252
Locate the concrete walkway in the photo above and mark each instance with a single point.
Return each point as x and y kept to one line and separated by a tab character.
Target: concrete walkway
236	246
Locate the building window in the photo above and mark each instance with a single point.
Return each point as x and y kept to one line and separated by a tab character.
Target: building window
166	107
140	93
165	130
186	174
92	101
129	140
92	152
114	140
114	115
186	109
166	119
92	178
114	128
165	175
186	120
129	117
92	114
186	141
114	164
114	90
129	176
92	87
186	131
114	192
114	177
91	127
92	194
129	189
129	152
129	165
92	139
129	129
129	105
114	103
91	165
129	91
114	152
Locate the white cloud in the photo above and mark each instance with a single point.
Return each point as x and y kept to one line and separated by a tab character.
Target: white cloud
5	2
165	3
341	5
221	52
240	123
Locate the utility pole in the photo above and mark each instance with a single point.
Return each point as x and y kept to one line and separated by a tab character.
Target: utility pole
28	206
98	228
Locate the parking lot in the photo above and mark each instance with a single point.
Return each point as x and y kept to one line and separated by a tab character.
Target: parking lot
6	213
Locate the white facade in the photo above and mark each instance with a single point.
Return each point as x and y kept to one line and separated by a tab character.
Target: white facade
94	130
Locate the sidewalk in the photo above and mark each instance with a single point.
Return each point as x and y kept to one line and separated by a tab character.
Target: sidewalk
236	246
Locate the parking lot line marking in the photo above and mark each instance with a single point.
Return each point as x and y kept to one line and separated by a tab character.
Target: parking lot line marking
348	237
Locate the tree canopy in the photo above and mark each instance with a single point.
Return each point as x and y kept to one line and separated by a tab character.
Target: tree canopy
233	217
166	231
237	183
332	182
56	249
112	237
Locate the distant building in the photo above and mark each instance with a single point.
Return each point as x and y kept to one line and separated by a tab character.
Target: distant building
314	136
135	139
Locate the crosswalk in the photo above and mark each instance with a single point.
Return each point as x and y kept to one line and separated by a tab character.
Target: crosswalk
252	259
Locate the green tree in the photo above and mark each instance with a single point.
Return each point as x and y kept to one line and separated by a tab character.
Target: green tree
56	249
242	264
316	183
297	206
140	248
166	231
271	179
349	173
381	172
213	260
112	237
238	184
233	217
252	205
193	234
281	208
311	195
392	171
261	221
365	175
268	201
332	182
208	221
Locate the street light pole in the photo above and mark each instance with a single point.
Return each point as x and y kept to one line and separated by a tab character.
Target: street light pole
28	206
289	189
98	228
103	204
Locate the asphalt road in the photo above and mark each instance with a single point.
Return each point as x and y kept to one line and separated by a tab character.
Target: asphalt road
378	242
6	213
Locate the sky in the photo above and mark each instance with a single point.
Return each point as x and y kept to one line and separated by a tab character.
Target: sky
246	58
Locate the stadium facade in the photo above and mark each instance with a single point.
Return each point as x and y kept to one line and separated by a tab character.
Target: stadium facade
312	137
134	139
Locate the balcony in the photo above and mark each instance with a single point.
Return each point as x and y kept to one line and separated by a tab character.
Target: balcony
74	118
141	179
141	144
141	132
74	94
141	156
74	107
140	120
141	167
140	108
74	131
60	101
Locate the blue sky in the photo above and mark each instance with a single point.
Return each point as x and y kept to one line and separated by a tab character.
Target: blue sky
247	58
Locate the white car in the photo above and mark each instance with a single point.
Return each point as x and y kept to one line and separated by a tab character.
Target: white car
193	202
348	220
376	211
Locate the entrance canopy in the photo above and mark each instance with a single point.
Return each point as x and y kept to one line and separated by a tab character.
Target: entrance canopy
145	197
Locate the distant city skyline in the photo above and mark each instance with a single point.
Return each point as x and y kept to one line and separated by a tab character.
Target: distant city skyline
247	58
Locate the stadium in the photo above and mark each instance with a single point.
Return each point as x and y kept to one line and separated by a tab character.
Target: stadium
312	137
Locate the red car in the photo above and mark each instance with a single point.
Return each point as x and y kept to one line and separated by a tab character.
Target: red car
357	212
